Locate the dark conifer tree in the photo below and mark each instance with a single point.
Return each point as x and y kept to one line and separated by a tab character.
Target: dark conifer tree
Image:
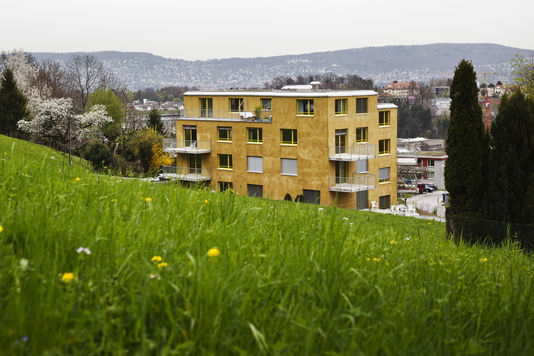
467	145
510	196
12	103
154	121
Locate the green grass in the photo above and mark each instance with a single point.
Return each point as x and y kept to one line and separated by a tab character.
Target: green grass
290	279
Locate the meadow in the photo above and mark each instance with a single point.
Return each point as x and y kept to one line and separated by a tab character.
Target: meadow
96	264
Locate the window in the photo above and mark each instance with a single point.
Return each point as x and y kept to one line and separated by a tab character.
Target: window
431	175
341	169
190	135
305	107
224	186
225	161
361	105
341	141
289	166
362	166
311	196
237	104
255	190
383	175
254	135
361	135
383	147
254	164
195	164
289	136
266	104
206	107
383	118
430	163
224	134
341	106
384	202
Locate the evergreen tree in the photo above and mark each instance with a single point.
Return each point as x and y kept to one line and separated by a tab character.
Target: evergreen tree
510	195
12	103
154	121
467	146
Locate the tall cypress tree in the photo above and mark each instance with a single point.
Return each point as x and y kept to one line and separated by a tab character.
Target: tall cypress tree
510	196
12	103
467	145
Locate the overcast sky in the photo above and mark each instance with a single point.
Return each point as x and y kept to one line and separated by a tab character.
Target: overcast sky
206	29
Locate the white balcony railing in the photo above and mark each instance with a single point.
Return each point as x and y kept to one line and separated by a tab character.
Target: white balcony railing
357	152
255	115
189	146
187	174
356	183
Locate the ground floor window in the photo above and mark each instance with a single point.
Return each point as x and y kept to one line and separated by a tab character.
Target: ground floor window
255	190
311	196
384	202
223	186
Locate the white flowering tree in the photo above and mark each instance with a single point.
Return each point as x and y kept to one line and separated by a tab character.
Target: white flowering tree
55	119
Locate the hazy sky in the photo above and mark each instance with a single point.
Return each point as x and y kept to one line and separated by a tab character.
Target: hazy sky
206	29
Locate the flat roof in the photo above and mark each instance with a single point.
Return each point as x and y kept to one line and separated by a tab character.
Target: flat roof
285	93
386	106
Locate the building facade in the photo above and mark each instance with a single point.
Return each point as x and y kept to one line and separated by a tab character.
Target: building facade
304	144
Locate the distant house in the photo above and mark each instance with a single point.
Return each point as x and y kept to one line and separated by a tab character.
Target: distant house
402	90
430	166
441	91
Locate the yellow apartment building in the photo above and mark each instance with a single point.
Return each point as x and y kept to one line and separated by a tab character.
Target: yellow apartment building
299	143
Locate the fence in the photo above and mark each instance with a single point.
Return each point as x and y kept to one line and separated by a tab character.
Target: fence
474	229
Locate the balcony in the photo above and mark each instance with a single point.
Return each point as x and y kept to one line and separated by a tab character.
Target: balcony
357	152
188	146
186	174
356	183
227	115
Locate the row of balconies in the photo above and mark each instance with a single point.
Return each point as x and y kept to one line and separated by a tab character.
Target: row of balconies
356	183
255	115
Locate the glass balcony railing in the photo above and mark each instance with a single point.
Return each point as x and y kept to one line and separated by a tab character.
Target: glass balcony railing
188	174
356	183
188	146
253	115
359	151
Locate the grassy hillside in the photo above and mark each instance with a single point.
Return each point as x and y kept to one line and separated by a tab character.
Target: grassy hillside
290	278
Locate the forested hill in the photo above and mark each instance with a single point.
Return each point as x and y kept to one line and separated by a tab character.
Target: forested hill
382	64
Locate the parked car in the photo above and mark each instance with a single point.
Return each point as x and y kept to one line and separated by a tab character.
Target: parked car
426	188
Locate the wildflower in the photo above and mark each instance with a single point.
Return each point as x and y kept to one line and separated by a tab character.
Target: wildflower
206	201
67	277
483	259
351	224
368	259
52	157
24	264
24	339
1	228
148	200
320	209
153	275
213	252
376	259
113	200
156	259
407	239
162	264
387	263
393	242
83	250
78	179
429	223
345	218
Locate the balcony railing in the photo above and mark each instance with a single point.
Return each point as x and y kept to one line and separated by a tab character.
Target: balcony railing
352	153
189	146
187	174
356	183
254	115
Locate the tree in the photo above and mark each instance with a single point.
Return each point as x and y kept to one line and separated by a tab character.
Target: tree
511	163
114	109
466	144
12	103
523	72
154	121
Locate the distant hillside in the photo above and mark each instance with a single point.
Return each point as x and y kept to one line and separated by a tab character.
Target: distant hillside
382	64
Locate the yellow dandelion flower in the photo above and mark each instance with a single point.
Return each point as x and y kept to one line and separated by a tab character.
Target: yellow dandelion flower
113	200
162	264
148	200
368	259
67	277
387	263
393	242
376	259
213	252
1	228
156	259
429	223
206	201
483	259
78	179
